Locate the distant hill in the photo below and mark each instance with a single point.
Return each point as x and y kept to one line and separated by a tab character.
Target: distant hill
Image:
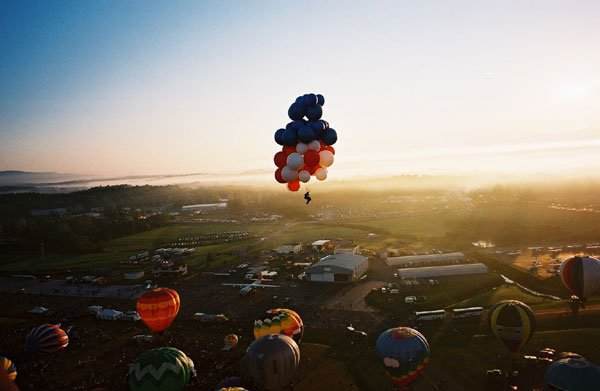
17	177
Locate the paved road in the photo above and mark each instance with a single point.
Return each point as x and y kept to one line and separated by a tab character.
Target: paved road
62	288
353	298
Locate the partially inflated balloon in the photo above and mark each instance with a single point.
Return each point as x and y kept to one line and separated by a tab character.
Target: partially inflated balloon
47	338
321	173
159	369
294	185
158	308
513	323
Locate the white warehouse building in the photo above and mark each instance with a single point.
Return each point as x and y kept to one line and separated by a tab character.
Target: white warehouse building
443	271
338	268
426	259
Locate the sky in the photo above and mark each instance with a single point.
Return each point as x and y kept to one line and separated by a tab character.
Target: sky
170	87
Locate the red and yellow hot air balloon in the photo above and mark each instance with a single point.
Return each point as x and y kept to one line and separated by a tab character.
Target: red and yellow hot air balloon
158	308
280	321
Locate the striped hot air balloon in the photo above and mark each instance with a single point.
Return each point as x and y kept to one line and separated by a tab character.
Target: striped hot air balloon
280	321
7	365
165	368
405	354
158	308
513	323
47	338
581	275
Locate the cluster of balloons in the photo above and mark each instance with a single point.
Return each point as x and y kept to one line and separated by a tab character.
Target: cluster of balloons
306	143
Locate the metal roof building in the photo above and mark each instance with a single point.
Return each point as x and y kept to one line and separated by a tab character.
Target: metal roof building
338	268
443	271
426	259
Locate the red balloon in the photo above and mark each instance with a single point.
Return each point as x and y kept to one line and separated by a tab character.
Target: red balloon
312	169
329	148
288	149
311	157
278	176
280	159
294	185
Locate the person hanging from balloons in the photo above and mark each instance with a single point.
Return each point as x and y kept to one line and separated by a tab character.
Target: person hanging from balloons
307	197
306	144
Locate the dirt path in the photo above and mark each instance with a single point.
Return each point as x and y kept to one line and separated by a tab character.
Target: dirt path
353	298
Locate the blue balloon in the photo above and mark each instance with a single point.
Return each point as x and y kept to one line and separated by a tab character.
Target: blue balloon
320	100
317	126
290	137
310	99
329	136
296	112
306	134
279	136
314	112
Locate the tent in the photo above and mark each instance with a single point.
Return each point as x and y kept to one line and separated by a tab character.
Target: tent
109	314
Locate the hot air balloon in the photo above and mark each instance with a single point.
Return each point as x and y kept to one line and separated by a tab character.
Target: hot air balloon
405	354
232	389
271	362
230	383
158	369
581	275
572	374
47	338
280	321
158	308
230	341
9	367
513	323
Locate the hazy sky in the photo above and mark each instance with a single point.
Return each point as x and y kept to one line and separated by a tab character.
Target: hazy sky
136	87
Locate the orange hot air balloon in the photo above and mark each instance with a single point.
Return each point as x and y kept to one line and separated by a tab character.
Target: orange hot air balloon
158	308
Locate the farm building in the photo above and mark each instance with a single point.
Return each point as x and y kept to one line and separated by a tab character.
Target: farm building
323	245
338	268
443	271
426	260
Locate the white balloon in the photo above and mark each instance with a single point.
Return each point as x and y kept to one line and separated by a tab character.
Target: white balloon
301	148
295	160
325	158
304	176
288	174
321	173
315	145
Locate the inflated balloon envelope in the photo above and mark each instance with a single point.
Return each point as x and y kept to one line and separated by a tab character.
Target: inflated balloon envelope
573	374
307	143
